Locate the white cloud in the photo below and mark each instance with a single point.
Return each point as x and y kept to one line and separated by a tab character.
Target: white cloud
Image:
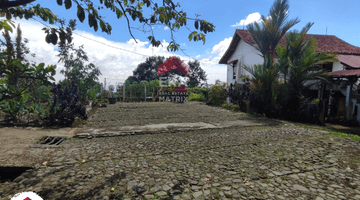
221	47
115	59
251	18
166	28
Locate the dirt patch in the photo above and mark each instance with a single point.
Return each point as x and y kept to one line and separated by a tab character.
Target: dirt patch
15	145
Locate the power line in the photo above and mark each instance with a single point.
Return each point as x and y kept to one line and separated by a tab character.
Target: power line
110	45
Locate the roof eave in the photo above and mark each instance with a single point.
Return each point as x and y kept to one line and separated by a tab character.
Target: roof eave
230	50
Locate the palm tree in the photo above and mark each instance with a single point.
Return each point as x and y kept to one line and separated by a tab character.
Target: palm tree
299	62
272	30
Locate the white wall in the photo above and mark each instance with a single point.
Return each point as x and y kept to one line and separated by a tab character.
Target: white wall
337	66
229	78
247	55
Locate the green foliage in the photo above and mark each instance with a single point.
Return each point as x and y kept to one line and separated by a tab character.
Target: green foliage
65	106
218	93
167	13
198	90
334	132
77	66
19	78
197	74
93	96
196	97
43	93
232	107
315	101
272	29
264	88
15	107
297	63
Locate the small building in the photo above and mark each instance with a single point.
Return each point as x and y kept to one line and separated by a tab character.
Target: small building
345	71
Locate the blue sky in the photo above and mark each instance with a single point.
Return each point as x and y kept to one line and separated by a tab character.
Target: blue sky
341	18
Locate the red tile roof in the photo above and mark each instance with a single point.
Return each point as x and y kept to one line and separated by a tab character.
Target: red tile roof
325	43
344	73
350	60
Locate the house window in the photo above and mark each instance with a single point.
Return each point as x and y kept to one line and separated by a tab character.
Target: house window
234	71
233	65
327	66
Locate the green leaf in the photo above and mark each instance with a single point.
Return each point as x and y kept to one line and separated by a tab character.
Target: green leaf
80	13
191	36
68	4
91	20
96	27
197	24
54	38
119	13
59	2
102	25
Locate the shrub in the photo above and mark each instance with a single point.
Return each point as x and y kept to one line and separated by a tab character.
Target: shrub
198	90
232	107
196	97
218	93
65	106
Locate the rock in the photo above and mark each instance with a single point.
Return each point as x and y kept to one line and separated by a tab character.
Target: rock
206	192
197	194
277	173
166	188
132	185
225	188
300	188
149	196
161	193
263	167
195	188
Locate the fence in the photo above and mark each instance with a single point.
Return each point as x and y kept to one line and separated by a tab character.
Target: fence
143	91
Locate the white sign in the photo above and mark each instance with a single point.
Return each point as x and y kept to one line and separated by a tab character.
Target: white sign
26	196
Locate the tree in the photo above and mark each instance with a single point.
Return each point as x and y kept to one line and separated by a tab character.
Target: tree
267	37
76	69
18	76
272	29
197	74
166	13
299	61
147	71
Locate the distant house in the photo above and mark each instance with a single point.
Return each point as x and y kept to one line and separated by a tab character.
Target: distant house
346	70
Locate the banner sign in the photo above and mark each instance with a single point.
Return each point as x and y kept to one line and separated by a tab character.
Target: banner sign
179	95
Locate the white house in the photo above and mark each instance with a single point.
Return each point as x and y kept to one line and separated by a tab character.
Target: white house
241	51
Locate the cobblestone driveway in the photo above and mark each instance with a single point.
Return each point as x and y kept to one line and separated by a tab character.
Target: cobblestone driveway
260	162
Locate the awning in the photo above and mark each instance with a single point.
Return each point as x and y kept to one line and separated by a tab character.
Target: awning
345	73
350	60
231	62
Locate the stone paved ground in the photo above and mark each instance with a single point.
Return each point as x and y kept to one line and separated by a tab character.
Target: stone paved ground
261	162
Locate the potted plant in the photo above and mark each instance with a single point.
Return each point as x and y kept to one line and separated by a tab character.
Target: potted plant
112	100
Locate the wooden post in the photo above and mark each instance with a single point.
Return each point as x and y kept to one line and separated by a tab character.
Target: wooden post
322	113
348	101
145	93
124	92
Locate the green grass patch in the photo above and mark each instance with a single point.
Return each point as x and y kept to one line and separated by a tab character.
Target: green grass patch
333	132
